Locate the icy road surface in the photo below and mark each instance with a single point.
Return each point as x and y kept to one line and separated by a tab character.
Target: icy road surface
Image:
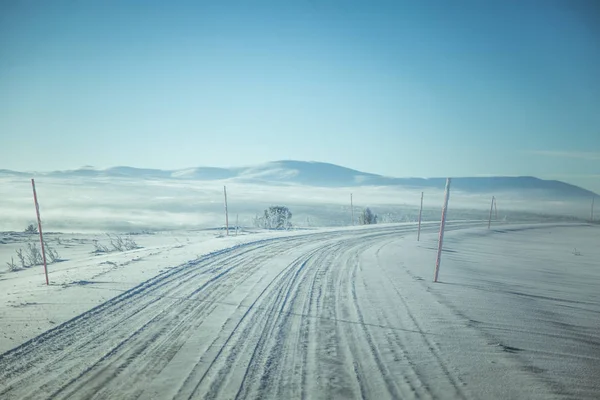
348	314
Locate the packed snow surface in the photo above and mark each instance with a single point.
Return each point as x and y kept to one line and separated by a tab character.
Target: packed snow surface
329	313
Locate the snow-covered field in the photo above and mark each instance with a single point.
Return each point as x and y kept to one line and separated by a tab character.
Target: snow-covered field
327	313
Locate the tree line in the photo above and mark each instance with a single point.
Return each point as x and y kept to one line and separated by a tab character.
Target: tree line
280	218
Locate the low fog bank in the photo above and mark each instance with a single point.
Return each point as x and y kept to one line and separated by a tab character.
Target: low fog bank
111	204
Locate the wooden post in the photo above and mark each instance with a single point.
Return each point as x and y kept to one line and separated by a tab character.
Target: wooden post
491	210
442	228
352	208
237	223
37	211
420	214
226	212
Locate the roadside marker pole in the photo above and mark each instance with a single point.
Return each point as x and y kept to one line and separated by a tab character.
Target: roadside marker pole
352	208
442	227
420	213
226	212
37	211
491	209
237	223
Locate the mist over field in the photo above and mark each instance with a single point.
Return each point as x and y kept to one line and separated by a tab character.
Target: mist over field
129	199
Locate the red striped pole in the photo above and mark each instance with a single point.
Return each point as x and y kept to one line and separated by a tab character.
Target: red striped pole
37	211
442	227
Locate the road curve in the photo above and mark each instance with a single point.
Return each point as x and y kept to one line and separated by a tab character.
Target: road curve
294	317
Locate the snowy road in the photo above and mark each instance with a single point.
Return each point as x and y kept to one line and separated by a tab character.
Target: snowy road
326	315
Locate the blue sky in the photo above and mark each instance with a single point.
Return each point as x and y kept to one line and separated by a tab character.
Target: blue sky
460	88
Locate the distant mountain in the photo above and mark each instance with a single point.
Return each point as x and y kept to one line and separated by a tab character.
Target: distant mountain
7	172
325	175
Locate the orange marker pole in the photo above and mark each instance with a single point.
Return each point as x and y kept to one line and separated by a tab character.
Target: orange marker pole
442	227
226	211
37	210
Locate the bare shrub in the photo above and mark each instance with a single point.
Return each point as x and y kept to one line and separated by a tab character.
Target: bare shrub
12	267
21	257
100	248
34	255
130	244
117	243
51	253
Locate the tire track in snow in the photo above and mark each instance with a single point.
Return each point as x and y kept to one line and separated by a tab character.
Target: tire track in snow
271	357
107	312
174	304
262	325
272	328
401	342
169	345
334	371
210	290
390	384
257	323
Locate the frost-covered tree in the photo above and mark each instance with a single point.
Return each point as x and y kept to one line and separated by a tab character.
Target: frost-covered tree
31	229
367	217
277	217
